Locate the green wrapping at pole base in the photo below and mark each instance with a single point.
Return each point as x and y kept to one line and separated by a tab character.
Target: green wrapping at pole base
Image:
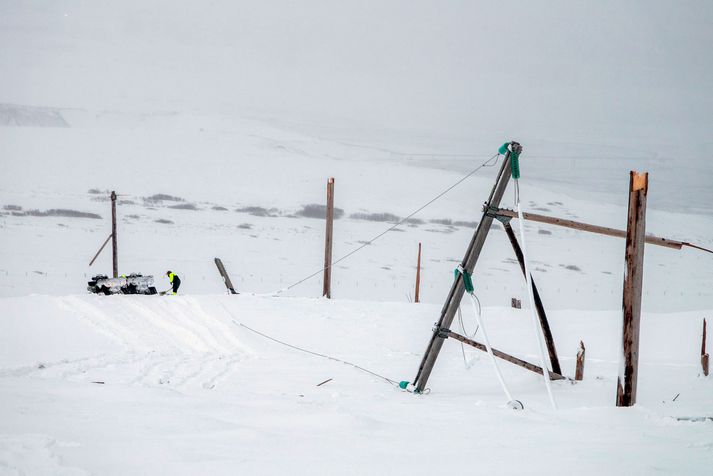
403	384
467	279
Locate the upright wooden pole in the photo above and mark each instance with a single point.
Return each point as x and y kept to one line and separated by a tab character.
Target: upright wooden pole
114	249
633	281
327	288
418	274
579	370
704	354
539	307
458	288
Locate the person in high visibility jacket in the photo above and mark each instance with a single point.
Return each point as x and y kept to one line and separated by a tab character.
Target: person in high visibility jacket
174	280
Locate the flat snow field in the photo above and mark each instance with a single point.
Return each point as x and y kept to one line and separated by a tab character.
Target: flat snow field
179	385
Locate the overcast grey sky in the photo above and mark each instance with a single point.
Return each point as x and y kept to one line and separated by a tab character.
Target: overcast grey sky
599	71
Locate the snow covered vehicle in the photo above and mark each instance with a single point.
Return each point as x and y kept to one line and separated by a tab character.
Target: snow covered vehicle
131	284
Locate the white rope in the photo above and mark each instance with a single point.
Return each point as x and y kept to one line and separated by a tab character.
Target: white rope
535	324
465	333
512	403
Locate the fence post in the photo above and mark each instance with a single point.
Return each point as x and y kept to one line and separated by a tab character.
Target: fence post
633	281
579	371
327	287
418	274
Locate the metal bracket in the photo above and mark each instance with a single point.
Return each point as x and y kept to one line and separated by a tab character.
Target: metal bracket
492	213
441	332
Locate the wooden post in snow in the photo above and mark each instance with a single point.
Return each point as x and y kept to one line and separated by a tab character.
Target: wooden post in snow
418	274
633	281
327	287
704	355
224	275
114	248
579	371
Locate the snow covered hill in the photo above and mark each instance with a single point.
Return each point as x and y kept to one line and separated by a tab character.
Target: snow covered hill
179	385
196	187
218	124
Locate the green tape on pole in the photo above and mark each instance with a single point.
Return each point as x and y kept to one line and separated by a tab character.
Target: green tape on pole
467	279
515	165
503	148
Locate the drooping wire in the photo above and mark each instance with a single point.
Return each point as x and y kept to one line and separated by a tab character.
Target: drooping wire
307	351
492	161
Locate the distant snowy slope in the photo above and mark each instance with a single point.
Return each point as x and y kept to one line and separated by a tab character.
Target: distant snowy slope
13	115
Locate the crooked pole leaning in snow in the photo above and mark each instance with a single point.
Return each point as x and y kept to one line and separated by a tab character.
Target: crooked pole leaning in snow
455	296
539	307
327	288
114	250
224	274
100	250
633	281
704	354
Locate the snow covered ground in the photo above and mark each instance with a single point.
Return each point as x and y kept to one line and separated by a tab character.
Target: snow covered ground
219	124
147	385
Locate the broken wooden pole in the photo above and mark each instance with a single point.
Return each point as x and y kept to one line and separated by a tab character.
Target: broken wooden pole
539	307
455	295
327	285
224	274
100	250
501	355
704	354
579	371
418	274
633	281
114	244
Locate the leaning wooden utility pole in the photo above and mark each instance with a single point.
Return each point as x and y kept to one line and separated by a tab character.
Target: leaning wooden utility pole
224	274
418	274
458	288
100	250
114	249
327	288
539	307
633	281
704	354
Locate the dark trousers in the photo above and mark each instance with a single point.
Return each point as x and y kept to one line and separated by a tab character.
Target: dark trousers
176	284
